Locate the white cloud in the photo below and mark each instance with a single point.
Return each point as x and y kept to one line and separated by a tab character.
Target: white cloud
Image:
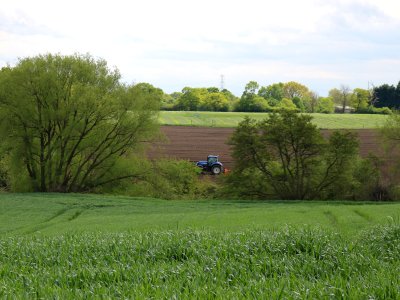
176	43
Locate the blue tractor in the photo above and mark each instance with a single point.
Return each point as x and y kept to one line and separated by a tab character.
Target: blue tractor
211	165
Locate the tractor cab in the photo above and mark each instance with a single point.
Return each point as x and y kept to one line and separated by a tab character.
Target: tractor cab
212	159
211	165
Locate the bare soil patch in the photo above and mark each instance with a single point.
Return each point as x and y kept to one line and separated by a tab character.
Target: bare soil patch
195	143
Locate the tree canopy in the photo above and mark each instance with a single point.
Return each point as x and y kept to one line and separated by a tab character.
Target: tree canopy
290	95
207	99
69	123
387	96
285	157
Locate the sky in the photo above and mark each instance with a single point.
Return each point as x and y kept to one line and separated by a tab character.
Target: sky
176	43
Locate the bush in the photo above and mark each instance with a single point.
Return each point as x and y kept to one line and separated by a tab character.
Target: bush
375	110
167	179
252	103
173	179
247	183
367	183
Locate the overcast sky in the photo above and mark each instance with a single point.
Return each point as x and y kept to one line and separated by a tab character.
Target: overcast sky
176	43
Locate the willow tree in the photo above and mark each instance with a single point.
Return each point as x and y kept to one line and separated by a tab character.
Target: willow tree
69	122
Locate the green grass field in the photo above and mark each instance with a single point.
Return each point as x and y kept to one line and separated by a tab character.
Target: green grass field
231	119
22	214
73	246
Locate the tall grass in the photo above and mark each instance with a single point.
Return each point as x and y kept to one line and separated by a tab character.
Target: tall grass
287	263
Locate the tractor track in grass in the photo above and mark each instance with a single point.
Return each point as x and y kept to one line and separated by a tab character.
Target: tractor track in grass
195	143
363	215
75	208
57	214
331	218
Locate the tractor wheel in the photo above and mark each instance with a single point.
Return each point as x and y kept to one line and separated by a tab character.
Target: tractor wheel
216	170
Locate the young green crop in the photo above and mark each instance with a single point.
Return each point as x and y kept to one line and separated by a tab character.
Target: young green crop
232	119
55	214
287	263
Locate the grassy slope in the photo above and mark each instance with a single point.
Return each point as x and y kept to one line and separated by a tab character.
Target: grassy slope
22	214
231	119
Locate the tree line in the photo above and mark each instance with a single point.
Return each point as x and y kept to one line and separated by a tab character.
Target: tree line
68	124
290	96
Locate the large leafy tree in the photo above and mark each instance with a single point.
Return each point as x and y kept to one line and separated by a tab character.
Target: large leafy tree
191	98
341	96
250	101
314	101
299	94
293	89
326	105
387	96
286	157
69	123
360	99
214	101
272	93
208	99
228	94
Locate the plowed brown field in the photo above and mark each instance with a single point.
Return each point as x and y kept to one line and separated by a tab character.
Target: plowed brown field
195	143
